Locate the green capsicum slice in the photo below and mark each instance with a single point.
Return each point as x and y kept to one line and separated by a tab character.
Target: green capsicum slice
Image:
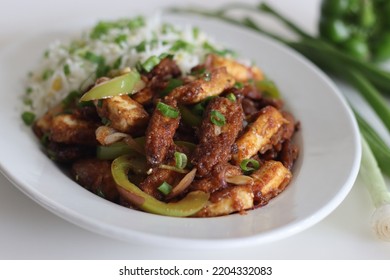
189	205
127	83
268	88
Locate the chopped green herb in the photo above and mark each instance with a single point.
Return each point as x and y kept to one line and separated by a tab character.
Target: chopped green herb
181	45
29	90
100	29
136	23
27	101
165	188
150	63
217	118
181	160
47	74
172	84
249	165
231	97
66	70
28	118
90	56
239	85
141	47
46	54
167	110
120	39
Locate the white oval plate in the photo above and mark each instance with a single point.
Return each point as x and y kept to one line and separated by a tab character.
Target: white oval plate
324	174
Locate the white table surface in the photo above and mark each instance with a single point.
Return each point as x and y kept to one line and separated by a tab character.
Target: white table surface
28	231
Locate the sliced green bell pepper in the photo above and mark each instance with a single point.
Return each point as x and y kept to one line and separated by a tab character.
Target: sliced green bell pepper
125	84
189	205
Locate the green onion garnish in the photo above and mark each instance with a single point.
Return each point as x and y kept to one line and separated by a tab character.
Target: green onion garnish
150	63
28	117
66	69
141	47
248	165
167	110
181	160
239	85
217	118
231	97
120	39
90	56
165	188
172	84
47	74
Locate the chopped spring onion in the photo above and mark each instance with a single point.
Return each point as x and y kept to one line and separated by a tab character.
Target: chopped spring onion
167	110
181	160
47	74
66	70
165	188
127	83
28	118
249	165
217	118
150	63
380	195
172	84
231	97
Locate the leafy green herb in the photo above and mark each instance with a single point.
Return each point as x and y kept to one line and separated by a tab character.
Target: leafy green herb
28	117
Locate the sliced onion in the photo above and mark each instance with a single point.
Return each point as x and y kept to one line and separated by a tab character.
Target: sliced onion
107	135
183	184
239	180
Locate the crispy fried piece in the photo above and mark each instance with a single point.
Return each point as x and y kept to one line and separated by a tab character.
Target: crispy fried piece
153	181
210	84
258	134
215	142
240	72
228	201
288	154
159	135
167	68
67	153
125	114
42	126
69	129
217	179
144	96
95	176
269	181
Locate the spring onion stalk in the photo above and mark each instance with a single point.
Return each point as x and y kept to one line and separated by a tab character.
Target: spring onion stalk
380	195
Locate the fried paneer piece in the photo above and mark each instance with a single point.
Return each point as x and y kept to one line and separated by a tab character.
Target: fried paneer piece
124	114
215	142
227	201
240	72
69	129
95	176
159	135
210	84
269	181
257	135
43	124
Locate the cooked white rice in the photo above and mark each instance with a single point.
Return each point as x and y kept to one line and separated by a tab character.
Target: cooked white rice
67	67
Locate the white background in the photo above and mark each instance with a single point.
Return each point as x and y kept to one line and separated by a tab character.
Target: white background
27	231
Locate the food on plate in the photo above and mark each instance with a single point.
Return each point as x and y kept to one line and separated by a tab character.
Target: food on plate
162	119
